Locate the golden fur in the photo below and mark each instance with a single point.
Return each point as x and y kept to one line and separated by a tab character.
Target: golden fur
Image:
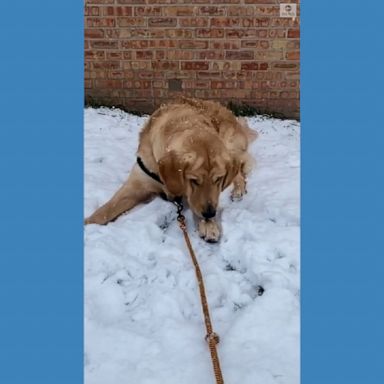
198	148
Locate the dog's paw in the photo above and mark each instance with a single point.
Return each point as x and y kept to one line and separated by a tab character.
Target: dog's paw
238	192
96	219
209	231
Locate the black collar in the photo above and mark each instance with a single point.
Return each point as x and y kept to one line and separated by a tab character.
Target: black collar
151	174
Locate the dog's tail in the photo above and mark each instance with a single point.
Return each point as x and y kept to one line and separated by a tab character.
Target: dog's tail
250	133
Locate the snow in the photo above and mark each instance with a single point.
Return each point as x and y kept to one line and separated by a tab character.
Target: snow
143	319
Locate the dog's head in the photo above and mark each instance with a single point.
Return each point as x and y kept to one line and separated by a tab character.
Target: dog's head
199	173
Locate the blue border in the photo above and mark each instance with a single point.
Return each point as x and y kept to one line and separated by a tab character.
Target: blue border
342	193
41	149
41	193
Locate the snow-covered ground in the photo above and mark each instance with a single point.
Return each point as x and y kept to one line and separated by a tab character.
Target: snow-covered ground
143	320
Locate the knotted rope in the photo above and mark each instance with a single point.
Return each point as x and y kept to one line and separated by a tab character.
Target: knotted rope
212	338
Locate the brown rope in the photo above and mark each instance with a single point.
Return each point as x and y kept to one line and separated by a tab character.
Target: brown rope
212	338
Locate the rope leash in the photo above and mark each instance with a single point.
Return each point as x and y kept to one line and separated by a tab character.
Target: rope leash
212	338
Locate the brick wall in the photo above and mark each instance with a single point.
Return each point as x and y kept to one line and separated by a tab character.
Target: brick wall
140	53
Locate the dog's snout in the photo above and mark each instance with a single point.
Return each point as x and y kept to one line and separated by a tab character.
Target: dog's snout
209	212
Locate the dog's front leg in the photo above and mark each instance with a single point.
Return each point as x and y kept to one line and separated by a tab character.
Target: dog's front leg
239	187
209	230
137	189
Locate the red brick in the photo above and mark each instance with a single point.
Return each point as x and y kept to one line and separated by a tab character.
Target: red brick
223	84
165	65
293	44
193	44
288	95
158	84
267	10
134	33
127	55
93	33
179	11
147	11
210	55
130	74
108	84
248	22
277	33
136	44
157	33
162	22
166	43
209	75
103	44
194	65
107	65
196	84
91	11
193	22
224	44
140	84
97	74
160	55
261	22
117	11
94	55
211	11
238	75
250	66
144	55
225	22
257	44
100	22
293	55
179	55
144	93
210	33
115	75
114	55
269	54
293	33
112	33
244	33
243	10
180	74
239	55
131	21
292	76
145	75
284	22
232	65
286	66
178	33
138	65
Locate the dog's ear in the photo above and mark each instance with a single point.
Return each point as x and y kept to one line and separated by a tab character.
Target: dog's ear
171	168
232	169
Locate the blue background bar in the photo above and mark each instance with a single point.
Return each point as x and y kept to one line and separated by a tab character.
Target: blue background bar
342	192
41	177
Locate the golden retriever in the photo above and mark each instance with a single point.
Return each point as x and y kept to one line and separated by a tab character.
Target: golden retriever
191	149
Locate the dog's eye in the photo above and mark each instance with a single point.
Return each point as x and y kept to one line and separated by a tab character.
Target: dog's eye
195	182
217	180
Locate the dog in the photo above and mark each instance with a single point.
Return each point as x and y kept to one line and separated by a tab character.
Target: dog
189	149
